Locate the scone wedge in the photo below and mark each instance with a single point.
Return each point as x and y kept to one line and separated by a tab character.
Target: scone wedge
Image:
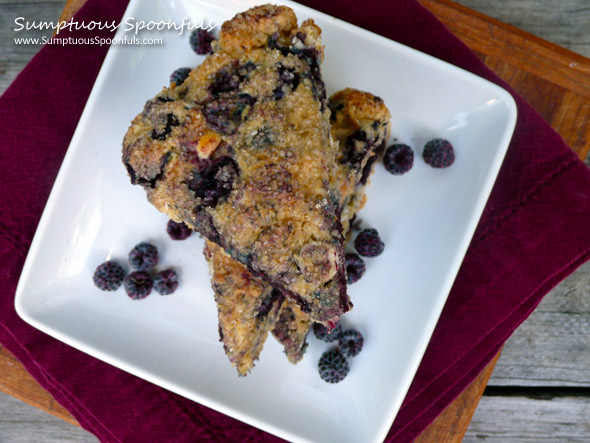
360	126
241	151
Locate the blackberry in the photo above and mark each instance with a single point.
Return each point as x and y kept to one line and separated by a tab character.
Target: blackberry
355	267
138	285
350	342
439	153
368	243
227	79
288	79
178	231
215	182
321	332
180	75
108	276
164	128
398	159
267	304
200	41
333	366
166	282
225	114
143	257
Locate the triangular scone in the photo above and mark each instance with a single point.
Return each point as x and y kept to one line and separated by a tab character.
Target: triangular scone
241	152
239	294
361	127
247	308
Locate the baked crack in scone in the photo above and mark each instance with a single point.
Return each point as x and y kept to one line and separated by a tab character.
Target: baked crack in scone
243	324
241	151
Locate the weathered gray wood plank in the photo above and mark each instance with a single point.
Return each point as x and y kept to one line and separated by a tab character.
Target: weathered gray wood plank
552	347
564	22
23	423
522	419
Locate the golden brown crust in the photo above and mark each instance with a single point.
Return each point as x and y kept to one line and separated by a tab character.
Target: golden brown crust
241	151
361	124
239	292
360	109
247	308
252	28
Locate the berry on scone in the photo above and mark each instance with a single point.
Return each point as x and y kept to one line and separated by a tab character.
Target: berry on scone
200	41
179	76
178	231
322	333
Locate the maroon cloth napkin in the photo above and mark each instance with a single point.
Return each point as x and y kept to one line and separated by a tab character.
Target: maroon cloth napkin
532	234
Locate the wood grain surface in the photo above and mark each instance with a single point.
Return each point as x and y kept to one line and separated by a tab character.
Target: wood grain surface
563	418
563	22
551	349
452	424
556	82
23	423
16	381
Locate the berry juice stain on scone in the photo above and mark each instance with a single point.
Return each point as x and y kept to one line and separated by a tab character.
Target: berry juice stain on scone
241	152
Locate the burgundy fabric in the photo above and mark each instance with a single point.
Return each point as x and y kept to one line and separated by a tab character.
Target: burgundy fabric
533	233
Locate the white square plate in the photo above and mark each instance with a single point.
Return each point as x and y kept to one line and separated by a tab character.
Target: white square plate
425	217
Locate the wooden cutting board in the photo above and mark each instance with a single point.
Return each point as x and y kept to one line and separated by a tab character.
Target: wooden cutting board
553	80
